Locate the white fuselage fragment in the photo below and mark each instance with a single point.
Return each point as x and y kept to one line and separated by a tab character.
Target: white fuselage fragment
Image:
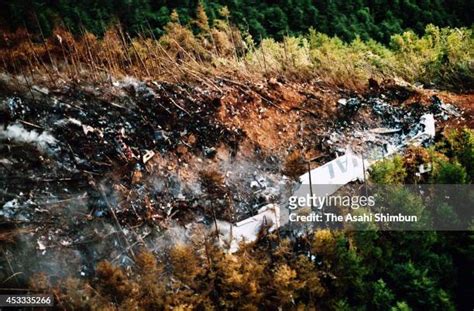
247	230
327	179
428	122
339	171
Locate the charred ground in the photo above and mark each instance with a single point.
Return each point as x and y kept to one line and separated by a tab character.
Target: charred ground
94	172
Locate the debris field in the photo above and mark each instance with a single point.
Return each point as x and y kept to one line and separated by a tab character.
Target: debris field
94	172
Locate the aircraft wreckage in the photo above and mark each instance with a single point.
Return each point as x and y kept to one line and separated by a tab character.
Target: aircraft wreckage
323	180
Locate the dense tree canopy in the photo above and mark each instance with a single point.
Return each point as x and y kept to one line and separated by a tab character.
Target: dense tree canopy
374	19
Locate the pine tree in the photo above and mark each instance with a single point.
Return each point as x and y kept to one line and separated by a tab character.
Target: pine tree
202	21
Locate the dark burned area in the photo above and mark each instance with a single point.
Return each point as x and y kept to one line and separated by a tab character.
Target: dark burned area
81	197
136	164
98	135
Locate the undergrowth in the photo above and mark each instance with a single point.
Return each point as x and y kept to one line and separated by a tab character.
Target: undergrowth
442	57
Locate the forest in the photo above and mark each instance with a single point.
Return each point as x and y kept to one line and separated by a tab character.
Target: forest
347	20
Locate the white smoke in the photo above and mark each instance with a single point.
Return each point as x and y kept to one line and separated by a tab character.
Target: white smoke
17	133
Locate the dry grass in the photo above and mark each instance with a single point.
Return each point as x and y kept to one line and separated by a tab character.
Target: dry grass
442	56
176	56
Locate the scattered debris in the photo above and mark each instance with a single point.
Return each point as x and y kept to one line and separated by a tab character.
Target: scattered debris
348	168
424	168
147	156
99	171
381	130
442	110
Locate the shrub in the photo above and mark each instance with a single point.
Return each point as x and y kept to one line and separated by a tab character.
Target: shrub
450	173
388	171
459	144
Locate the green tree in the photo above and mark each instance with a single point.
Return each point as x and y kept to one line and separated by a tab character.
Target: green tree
450	173
388	171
